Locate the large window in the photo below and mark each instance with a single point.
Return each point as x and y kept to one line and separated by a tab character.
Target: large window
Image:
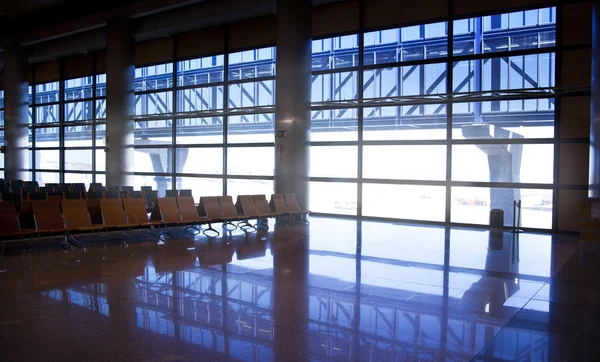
478	139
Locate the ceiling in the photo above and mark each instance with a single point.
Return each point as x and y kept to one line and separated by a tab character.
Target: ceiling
19	16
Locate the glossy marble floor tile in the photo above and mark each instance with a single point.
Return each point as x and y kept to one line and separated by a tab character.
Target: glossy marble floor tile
334	290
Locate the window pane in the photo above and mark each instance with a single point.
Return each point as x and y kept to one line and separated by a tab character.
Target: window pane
158	183
252	94
503	163
200	71
531	118
47	92
251	128
249	187
101	85
78	136
153	132
47	137
153	103
47	178
154	77
101	178
156	160
100	160
78	88
101	108
425	122
200	130
79	111
334	125
336	86
202	186
78	160
410	162
100	135
335	53
411	202
472	205
333	161
200	160
250	64
47	159
1	118
46	114
200	99
333	198
251	161
85	178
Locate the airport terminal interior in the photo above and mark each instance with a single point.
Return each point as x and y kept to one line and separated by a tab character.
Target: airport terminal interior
306	180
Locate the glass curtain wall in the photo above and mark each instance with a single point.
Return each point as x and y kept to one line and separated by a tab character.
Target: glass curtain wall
206	124
450	121
66	133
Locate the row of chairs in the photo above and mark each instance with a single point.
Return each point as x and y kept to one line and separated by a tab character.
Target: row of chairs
72	216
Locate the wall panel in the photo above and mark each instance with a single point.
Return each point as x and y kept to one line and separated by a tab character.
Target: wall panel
159	50
253	33
575	117
47	72
462	7
574	163
382	13
576	68
569	209
101	62
79	66
335	18
577	23
201	42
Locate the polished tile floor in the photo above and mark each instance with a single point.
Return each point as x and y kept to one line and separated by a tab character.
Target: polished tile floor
334	290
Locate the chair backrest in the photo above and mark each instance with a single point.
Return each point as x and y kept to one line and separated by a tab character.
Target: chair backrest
72	195
52	185
124	194
29	189
292	203
111	194
95	184
97	188
55	196
16	198
95	195
136	211
93	206
136	194
245	206
146	188
151	195
47	215
113	189
278	204
127	188
228	208
9	220
187	208
262	205
209	207
17	183
113	213
76	213
63	188
169	212
31	184
26	218
78	187
171	193
37	196
185	193
47	189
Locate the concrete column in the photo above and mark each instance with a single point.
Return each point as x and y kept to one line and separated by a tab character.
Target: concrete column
120	102
594	171
293	89
16	113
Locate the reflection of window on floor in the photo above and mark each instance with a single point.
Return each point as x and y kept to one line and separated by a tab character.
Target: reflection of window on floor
83	298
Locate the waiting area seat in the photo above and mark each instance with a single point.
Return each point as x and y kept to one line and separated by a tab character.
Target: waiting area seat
52	209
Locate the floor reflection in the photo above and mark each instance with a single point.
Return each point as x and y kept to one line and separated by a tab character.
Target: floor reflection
355	291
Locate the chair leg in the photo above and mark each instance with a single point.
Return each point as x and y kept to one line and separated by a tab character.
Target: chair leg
211	229
227	226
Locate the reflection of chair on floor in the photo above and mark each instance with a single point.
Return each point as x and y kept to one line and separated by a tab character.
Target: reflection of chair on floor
210	255
251	250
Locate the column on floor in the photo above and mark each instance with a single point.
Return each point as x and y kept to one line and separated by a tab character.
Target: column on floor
594	171
120	101
16	113
292	110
